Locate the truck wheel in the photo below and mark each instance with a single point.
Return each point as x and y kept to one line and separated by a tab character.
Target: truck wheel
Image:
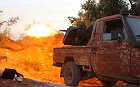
108	82
72	74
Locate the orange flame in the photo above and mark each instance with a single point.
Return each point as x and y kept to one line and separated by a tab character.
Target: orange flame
38	30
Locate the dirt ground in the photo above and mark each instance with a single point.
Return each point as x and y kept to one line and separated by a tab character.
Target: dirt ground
33	83
26	83
33	57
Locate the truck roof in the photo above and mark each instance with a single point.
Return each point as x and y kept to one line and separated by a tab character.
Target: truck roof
118	16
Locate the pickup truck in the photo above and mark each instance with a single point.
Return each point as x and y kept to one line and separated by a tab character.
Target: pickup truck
111	54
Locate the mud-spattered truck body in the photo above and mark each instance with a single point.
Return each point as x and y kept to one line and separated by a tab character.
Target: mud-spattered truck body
112	53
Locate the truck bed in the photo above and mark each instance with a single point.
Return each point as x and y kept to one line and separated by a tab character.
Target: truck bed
79	54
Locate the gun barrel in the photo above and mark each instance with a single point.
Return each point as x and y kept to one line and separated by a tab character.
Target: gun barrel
63	30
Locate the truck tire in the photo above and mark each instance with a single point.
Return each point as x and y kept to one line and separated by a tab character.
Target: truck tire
72	74
108	82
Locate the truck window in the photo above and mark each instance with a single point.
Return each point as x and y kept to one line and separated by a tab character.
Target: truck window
114	30
134	24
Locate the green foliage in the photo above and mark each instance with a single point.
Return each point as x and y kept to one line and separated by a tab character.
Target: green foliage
87	14
72	19
91	11
135	6
111	7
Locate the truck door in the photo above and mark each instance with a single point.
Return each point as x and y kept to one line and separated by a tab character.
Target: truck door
113	49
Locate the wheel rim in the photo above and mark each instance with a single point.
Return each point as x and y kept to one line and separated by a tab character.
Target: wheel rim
70	74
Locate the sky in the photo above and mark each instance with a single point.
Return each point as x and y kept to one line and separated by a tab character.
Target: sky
51	12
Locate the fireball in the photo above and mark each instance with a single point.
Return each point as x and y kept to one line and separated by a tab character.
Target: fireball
38	30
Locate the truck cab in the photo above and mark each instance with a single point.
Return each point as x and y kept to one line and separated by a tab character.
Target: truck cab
112	53
115	48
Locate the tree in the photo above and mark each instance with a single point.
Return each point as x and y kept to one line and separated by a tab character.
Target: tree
135	6
111	7
130	3
7	25
90	8
87	13
91	11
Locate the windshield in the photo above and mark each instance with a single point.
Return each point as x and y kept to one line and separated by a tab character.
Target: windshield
134	24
